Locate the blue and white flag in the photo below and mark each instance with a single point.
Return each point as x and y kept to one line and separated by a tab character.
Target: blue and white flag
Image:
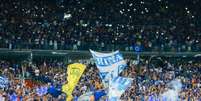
109	64
117	87
3	82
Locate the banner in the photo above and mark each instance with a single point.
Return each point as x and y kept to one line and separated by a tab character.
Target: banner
74	73
117	87
109	64
3	82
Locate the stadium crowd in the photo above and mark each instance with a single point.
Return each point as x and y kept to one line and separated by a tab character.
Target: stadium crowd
155	25
102	25
149	81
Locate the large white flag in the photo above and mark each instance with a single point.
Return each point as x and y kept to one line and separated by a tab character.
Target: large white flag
117	87
109	64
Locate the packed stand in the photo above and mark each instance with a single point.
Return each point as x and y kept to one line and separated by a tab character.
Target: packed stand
155	25
149	81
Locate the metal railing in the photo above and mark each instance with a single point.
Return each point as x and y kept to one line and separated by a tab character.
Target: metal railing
86	54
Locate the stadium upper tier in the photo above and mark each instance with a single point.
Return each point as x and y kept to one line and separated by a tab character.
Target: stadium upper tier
154	25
